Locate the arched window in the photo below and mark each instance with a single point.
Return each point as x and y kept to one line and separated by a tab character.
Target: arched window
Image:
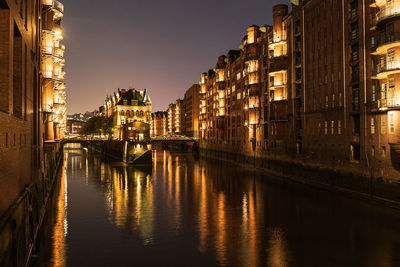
137	113
141	113
122	112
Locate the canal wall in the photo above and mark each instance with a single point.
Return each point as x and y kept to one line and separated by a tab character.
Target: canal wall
343	179
21	222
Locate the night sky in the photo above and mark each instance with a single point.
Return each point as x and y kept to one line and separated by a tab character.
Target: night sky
160	45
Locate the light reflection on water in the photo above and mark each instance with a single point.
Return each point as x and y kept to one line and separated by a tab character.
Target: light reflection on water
201	213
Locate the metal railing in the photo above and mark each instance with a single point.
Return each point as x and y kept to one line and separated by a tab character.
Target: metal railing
58	6
390	65
388	38
389	102
388	11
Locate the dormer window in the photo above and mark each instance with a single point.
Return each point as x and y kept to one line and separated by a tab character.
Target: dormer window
125	102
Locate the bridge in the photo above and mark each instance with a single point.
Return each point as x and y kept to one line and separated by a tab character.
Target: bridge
175	142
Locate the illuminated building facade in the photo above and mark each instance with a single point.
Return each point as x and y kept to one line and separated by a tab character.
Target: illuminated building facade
318	86
175	113
191	112
159	124
131	112
20	119
74	126
27	161
52	69
231	94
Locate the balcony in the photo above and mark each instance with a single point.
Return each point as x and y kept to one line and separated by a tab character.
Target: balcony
276	40
387	41
278	63
58	6
58	52
276	85
387	12
47	2
391	67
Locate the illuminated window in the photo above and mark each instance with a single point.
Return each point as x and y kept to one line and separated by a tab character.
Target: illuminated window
339	127
391	123
332	127
238	95
383	124
372	126
326	128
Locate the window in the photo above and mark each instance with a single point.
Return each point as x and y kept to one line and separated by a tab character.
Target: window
326	102
5	53
340	100
17	73
383	124
326	128
238	76
332	127
391	123
373	92
238	96
372	126
390	56
383	151
339	127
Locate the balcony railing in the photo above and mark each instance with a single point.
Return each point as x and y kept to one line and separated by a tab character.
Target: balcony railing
389	103
47	2
388	38
277	39
58	6
387	12
389	66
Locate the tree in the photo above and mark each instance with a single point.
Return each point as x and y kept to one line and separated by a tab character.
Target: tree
98	125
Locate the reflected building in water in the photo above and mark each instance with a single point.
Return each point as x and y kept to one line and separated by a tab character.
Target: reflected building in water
226	215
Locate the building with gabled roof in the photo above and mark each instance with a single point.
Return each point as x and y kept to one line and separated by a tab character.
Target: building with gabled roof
131	112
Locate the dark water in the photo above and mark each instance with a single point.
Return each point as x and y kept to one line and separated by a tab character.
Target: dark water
184	212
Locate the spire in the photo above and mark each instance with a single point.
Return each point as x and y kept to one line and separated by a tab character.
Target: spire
146	98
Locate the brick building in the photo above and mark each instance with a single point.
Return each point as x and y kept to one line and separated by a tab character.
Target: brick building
317	86
175	118
28	127
52	70
20	119
74	126
159	124
131	112
191	112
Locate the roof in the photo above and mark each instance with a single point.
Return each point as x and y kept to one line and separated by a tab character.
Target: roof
133	94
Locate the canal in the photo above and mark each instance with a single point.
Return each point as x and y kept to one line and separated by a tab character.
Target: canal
188	212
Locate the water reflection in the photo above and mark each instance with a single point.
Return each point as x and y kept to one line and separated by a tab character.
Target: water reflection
131	202
200	213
